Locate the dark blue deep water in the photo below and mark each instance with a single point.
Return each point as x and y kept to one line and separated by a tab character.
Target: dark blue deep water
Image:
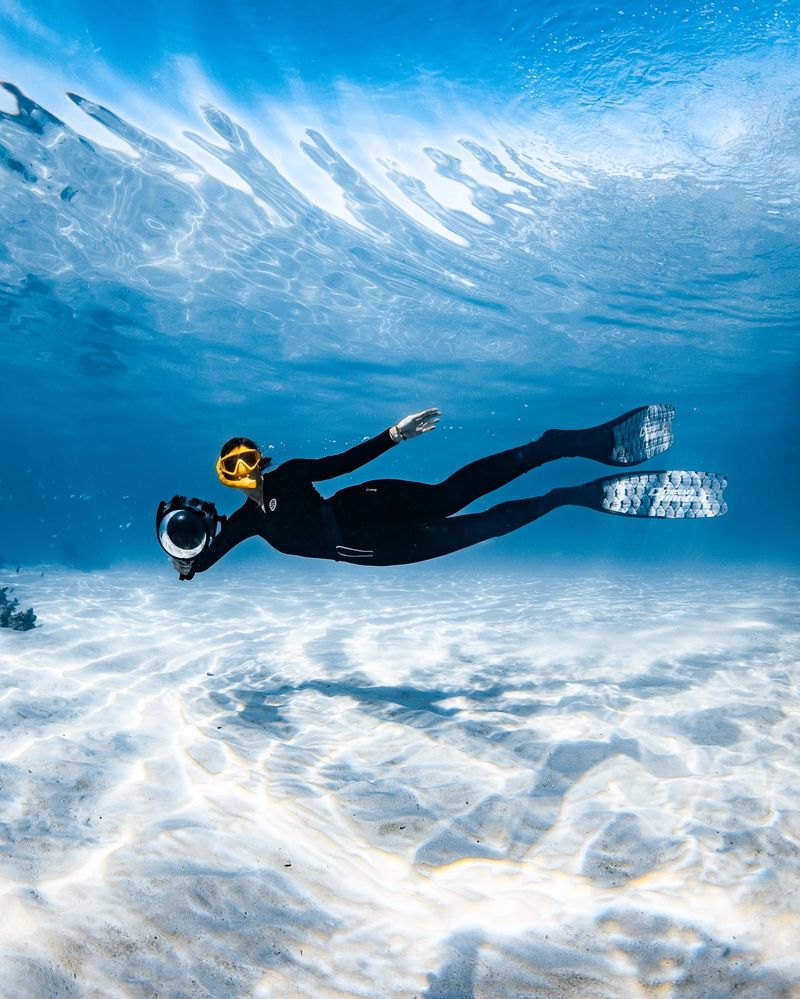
301	221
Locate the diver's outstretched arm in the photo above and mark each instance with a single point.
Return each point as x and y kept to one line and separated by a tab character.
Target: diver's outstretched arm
333	465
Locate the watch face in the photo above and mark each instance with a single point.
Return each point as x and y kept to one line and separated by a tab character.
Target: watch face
272	504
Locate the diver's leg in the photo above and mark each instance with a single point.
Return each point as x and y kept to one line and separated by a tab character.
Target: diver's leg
397	500
674	493
419	541
487	474
627	440
671	494
376	529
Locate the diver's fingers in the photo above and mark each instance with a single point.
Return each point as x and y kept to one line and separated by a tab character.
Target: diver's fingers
418	423
426	414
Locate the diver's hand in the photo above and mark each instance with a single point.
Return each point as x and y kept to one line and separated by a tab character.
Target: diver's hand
415	425
183	566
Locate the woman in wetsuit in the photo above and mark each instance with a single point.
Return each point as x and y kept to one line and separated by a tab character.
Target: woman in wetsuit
394	522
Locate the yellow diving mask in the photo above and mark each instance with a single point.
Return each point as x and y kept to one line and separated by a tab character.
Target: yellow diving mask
236	467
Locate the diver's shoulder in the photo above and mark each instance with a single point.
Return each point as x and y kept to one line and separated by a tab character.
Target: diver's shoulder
286	469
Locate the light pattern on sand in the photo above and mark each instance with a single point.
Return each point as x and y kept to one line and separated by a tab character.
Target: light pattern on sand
307	783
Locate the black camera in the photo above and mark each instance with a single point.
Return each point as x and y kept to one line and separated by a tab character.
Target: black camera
186	527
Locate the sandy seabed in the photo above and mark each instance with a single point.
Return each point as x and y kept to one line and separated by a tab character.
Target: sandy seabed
324	783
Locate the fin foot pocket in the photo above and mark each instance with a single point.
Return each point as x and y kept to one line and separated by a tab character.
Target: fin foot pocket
671	494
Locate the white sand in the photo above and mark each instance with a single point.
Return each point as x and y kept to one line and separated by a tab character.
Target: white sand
326	782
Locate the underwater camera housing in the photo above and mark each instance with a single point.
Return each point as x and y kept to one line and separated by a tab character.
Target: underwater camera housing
186	527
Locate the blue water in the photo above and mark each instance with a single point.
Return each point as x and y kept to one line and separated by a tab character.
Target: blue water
302	222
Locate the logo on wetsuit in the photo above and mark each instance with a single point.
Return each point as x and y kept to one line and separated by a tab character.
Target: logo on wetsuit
272	504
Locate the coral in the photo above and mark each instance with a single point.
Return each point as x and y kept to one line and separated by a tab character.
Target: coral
10	617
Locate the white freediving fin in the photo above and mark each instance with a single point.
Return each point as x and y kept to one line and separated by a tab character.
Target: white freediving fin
677	494
629	439
641	434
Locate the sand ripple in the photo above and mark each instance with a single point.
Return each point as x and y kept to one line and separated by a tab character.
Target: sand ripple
312	784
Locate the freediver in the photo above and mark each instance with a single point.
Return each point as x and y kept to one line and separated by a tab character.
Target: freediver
396	522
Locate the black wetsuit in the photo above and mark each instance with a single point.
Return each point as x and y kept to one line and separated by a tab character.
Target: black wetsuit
388	521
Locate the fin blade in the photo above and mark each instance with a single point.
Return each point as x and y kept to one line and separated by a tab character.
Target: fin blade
642	434
677	494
